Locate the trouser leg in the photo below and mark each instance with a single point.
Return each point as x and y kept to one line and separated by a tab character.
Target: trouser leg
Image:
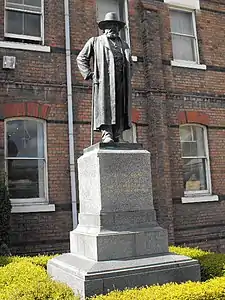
118	128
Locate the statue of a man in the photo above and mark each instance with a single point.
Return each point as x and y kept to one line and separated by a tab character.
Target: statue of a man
111	79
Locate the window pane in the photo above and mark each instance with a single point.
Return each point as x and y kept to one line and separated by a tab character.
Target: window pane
186	133
183	47
14	1
26	179
103	7
32	25
189	149
181	22
194	174
199	137
14	22
25	138
33	2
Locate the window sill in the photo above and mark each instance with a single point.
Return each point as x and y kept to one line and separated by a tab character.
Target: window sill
24	46
24	208
186	64
200	198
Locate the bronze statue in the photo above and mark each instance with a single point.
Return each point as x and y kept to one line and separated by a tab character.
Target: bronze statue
111	79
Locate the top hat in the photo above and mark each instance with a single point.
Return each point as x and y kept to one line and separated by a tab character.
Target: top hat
111	17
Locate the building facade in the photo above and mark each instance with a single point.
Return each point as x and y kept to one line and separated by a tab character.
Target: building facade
178	113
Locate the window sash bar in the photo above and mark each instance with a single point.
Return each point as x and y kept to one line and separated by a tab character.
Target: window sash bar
25	10
197	192
22	36
195	157
25	158
183	34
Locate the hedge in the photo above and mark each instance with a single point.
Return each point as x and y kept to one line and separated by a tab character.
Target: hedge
24	280
212	264
40	260
5	211
213	289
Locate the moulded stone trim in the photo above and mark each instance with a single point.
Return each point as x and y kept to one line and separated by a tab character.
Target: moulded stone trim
192	4
200	198
33	208
24	46
186	64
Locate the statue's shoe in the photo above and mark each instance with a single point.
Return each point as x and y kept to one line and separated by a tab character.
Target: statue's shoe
119	139
107	140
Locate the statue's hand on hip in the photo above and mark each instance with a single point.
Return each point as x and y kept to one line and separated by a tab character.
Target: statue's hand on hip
90	76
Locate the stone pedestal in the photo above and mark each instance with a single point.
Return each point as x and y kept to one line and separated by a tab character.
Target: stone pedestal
118	242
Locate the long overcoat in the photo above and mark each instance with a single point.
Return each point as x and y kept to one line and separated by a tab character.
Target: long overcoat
104	94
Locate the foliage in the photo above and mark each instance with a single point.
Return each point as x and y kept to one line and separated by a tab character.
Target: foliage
23	280
5	210
26	278
213	289
194	253
40	260
212	264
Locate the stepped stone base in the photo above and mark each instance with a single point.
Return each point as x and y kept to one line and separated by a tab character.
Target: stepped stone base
118	242
88	277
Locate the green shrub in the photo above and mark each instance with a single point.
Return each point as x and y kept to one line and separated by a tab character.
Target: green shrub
26	281
40	260
194	253
212	264
5	211
213	289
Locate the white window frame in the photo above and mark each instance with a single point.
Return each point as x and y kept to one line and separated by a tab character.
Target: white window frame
193	4
30	201
22	36
208	191
196	48
188	63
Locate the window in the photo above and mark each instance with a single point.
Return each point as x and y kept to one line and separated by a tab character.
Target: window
118	6
194	147
184	37
24	19
25	159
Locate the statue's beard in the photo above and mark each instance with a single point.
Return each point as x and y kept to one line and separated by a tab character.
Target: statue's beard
111	34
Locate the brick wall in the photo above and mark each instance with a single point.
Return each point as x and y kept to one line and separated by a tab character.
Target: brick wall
200	94
161	94
37	88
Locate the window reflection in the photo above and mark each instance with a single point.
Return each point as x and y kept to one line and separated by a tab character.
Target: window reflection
25	158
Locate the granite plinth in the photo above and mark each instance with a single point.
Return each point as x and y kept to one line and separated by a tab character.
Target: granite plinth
118	242
113	146
108	245
89	277
117	217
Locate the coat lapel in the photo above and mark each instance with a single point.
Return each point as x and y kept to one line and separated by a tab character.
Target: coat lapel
105	41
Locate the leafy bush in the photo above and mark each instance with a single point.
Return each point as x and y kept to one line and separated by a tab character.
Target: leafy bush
194	253
24	280
212	264
40	260
5	210
213	289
